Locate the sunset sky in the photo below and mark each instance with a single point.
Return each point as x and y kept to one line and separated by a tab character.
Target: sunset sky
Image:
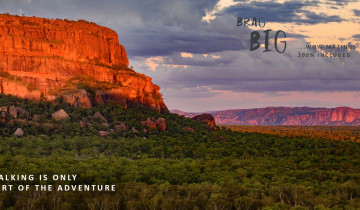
201	60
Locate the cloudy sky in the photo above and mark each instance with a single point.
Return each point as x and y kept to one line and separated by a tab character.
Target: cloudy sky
201	60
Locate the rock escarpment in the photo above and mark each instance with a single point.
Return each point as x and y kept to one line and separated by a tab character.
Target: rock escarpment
206	119
287	116
43	59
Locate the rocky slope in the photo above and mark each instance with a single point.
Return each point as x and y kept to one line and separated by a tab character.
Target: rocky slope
286	116
81	62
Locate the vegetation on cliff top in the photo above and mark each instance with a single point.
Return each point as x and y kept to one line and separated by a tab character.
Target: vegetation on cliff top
6	75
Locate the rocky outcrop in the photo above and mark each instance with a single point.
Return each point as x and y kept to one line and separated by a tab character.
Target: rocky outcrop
60	115
99	116
161	124
19	132
80	98
149	123
43	59
288	116
206	119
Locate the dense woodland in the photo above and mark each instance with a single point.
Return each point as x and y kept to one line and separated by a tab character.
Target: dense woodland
174	169
342	133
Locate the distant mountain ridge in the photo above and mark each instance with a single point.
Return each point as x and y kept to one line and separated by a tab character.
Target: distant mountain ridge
285	116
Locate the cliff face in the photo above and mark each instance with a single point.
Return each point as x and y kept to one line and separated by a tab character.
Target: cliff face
42	58
288	116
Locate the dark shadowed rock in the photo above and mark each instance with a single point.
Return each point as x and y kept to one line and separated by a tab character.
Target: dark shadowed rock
120	127
99	97
20	111
19	132
13	111
207	119
188	130
60	115
99	116
161	124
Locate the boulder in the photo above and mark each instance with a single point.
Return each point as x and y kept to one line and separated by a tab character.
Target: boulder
60	115
149	123
206	119
120	127
103	133
78	99
161	124
19	132
13	111
98	115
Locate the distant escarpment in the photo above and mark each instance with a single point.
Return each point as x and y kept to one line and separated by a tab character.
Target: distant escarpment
286	116
77	61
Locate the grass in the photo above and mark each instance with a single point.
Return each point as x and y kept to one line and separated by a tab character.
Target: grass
15	79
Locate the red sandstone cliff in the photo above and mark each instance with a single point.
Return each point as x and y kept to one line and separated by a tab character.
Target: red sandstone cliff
42	58
287	116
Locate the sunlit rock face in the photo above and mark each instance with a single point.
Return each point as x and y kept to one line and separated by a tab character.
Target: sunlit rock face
44	59
286	116
290	116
